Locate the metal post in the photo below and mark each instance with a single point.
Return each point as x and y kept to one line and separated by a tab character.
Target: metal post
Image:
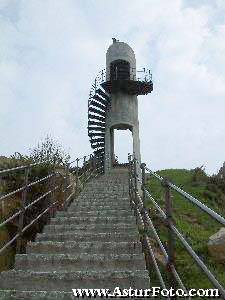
143	165
22	215
84	171
51	198
143	185
94	163
171	238
135	188
66	183
77	175
130	179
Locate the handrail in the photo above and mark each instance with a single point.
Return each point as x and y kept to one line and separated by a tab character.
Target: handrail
24	187
135	184
21	167
70	190
195	201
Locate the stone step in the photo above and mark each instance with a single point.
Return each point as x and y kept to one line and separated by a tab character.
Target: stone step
94	213
106	206
35	295
106	197
43	295
104	200
106	193
92	220
85	247
79	262
83	237
121	227
101	206
66	281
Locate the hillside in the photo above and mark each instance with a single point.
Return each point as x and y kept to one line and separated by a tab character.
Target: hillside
195	225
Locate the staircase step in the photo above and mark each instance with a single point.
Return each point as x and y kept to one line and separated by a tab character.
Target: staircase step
83	236
79	262
99	198
107	209
85	247
66	281
92	220
43	295
100	207
122	227
94	213
35	295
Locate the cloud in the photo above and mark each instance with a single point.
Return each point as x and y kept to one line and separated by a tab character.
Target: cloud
51	51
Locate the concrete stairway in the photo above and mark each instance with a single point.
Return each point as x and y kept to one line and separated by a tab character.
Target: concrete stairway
94	244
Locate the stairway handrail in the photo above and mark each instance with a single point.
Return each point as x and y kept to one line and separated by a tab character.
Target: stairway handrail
88	166
189	197
167	218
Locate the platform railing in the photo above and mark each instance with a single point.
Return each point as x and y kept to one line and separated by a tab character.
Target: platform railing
137	74
138	202
70	180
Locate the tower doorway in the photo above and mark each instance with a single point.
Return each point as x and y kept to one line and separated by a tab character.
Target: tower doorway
121	146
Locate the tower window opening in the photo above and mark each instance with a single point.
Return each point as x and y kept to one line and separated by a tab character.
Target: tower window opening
120	70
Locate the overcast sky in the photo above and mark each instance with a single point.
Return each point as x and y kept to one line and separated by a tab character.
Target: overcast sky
51	51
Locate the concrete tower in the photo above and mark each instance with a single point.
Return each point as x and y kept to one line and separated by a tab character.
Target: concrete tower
113	100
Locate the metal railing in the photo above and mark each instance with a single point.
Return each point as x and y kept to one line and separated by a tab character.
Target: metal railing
70	181
140	74
139	195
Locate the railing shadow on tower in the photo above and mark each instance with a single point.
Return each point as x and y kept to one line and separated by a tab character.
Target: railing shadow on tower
70	181
143	217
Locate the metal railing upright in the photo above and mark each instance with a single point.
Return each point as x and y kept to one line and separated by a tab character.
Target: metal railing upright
70	181
138	202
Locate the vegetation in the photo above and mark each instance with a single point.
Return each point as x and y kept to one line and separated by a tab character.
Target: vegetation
195	225
54	157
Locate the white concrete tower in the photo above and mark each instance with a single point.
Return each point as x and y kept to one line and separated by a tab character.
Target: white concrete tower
113	102
123	110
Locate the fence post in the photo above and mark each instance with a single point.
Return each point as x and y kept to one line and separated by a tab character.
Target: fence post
84	171
77	175
143	213
171	238
143	165
130	179
22	215
53	182
143	185
66	183
135	188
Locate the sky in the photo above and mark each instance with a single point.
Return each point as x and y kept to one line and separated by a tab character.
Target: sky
51	51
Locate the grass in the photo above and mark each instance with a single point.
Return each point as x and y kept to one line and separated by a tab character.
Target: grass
195	225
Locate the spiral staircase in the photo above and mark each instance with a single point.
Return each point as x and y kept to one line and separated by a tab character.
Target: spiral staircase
99	101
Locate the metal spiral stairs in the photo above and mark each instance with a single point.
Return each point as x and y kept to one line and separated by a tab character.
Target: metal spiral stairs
99	101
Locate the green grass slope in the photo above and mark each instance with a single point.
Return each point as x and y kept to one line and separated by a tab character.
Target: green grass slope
195	225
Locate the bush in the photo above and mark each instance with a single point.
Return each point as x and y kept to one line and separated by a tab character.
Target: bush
54	157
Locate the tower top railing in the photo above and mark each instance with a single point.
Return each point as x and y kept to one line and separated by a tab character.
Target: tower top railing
136	74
